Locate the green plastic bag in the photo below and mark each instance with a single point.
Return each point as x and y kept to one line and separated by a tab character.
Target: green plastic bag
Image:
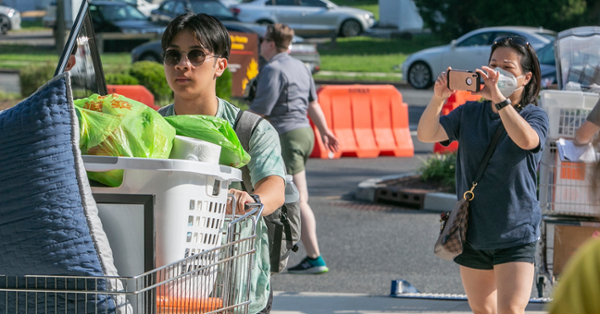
114	125
214	130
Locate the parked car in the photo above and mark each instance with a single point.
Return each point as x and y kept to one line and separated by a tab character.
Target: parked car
468	52
229	3
299	49
170	9
307	17
118	17
10	19
144	6
547	65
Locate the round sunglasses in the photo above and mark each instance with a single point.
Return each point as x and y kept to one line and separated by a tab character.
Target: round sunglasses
195	56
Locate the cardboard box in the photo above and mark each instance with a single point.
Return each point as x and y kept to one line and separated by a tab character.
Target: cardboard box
566	241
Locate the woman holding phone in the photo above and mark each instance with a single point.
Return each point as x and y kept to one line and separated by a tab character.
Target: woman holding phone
497	263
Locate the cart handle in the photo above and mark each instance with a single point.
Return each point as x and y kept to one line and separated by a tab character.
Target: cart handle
254	212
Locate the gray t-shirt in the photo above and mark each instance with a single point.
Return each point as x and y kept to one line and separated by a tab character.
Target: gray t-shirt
594	116
285	88
505	211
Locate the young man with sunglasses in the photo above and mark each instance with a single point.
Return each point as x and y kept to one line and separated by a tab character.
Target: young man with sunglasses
196	49
285	94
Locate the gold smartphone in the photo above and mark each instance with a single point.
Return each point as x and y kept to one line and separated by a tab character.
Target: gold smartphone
464	80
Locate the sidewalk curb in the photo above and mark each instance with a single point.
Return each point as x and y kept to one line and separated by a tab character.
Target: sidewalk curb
438	202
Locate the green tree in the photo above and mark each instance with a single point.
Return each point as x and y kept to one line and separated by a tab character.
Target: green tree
453	18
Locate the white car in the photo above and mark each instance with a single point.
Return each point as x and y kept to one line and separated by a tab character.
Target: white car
10	19
307	17
469	52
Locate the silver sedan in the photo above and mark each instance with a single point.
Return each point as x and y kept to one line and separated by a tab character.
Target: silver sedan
307	17
10	19
468	52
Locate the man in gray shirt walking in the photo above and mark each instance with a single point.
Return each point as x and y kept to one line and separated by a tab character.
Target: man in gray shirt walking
285	94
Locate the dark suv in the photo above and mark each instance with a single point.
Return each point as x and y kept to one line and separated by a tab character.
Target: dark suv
170	9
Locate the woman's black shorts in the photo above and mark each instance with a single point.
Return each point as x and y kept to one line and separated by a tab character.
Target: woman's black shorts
486	259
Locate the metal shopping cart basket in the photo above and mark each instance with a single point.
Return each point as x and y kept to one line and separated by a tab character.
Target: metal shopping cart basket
568	214
190	285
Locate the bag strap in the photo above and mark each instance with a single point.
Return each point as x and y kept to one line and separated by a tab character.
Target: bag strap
244	126
484	162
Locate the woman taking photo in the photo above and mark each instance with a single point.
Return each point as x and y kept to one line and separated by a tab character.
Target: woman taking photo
497	263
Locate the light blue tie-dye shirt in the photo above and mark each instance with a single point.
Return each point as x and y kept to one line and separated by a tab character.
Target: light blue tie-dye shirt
266	160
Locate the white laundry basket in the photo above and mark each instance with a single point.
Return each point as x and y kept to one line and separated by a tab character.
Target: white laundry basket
190	199
567	111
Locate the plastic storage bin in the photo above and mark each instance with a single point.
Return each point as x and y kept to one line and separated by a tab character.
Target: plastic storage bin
189	202
567	110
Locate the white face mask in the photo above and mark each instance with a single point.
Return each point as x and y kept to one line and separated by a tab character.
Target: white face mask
507	82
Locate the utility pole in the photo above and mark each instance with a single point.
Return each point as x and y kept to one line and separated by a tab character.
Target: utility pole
59	27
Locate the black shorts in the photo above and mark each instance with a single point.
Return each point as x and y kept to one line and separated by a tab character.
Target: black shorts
486	259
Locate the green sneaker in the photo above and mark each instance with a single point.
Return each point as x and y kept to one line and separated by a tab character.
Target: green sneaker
309	266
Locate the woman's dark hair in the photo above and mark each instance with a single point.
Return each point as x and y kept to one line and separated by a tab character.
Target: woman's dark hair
529	63
210	33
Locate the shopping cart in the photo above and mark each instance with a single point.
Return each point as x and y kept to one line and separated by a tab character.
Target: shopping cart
564	186
565	202
200	283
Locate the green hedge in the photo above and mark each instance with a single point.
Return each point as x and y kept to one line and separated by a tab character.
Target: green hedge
34	76
224	85
121	79
147	73
440	168
152	76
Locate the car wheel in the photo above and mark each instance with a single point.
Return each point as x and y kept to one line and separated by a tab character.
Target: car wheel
4	24
419	75
264	22
350	28
150	57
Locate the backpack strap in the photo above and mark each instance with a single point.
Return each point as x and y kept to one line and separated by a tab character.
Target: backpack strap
244	126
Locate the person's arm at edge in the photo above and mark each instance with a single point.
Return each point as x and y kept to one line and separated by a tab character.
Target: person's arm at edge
271	191
318	118
429	129
585	133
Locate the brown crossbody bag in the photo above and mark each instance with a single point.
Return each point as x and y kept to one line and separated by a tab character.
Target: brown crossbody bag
453	230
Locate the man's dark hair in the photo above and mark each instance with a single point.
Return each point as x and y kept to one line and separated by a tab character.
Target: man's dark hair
210	33
281	35
529	63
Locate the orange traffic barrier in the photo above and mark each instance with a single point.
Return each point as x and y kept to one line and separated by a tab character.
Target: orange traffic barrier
135	92
368	120
455	100
390	122
320	151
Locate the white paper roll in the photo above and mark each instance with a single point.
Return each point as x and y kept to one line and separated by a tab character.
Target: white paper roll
194	149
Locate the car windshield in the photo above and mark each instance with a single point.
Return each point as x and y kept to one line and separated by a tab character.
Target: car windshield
546	54
213	8
130	2
116	13
552	37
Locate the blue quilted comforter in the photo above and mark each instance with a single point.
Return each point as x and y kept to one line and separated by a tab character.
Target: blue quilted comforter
45	222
